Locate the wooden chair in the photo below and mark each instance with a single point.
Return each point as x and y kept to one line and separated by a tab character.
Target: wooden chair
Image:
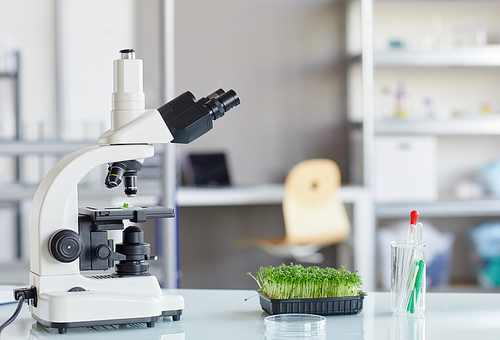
314	216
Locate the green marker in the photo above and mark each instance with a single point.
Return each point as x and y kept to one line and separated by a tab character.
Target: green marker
416	289
418	281
411	302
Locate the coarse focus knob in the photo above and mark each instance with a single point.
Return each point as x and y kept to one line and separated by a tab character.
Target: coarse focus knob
65	245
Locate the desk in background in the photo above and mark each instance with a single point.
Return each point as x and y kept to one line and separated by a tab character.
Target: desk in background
363	223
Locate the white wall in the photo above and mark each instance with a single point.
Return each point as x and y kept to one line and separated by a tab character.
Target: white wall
91	33
32	25
27	26
67	48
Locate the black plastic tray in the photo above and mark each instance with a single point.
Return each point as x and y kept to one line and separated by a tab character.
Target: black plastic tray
349	305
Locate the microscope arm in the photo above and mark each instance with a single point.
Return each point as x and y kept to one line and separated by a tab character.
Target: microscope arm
55	204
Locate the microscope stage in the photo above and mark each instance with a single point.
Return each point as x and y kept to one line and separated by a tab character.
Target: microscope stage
142	213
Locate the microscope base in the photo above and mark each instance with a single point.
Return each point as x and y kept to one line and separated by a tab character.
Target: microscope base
63	326
65	310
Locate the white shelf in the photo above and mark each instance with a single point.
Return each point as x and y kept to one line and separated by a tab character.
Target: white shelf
222	196
487	56
249	195
456	126
189	196
484	56
17	192
446	206
19	148
488	206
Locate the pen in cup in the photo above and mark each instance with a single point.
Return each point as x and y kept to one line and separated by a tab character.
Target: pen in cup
408	274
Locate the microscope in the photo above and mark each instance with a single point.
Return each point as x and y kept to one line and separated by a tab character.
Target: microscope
67	241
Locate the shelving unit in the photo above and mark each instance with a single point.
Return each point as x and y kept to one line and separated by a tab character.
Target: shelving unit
13	148
13	75
371	61
367	61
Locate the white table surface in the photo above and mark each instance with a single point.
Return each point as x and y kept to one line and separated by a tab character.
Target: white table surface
224	314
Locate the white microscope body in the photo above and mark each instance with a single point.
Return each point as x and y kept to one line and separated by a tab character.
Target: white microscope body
65	297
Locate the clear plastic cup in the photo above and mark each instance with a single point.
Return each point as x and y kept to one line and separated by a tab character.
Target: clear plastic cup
408	327
408	278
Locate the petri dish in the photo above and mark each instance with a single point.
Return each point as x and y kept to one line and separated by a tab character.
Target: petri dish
295	326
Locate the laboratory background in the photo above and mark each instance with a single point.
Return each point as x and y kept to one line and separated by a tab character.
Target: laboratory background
407	107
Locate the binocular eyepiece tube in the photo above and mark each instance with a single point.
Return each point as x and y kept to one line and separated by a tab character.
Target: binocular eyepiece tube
186	119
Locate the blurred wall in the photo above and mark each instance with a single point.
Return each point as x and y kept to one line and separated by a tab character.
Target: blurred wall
28	27
285	59
31	25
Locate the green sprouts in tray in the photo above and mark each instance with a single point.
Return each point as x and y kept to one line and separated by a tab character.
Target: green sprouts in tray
297	282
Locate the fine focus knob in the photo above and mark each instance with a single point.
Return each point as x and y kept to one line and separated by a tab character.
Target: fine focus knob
65	245
103	252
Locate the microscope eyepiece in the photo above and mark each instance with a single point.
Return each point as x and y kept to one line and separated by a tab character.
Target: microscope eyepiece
229	99
128	53
220	102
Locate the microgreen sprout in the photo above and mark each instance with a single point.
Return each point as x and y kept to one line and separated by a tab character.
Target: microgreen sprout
295	282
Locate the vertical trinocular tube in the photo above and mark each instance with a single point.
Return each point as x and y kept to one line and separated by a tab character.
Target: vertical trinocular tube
128	103
128	96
